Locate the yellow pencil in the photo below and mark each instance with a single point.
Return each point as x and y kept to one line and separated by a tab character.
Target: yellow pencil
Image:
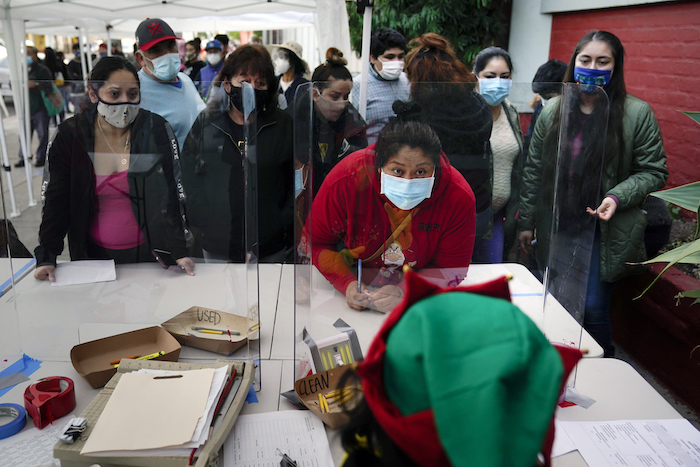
208	331
147	357
254	328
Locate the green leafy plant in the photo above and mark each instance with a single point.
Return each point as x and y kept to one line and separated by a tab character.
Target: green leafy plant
470	25
686	197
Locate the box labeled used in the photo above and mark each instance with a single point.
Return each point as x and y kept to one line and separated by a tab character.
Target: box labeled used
213	330
95	360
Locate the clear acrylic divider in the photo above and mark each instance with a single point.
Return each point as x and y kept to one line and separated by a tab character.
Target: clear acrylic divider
566	232
212	314
357	270
302	108
250	172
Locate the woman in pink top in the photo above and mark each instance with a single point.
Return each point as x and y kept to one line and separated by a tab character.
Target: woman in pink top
112	180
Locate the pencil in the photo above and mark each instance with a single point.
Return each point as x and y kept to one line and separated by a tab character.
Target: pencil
254	328
215	331
209	331
114	362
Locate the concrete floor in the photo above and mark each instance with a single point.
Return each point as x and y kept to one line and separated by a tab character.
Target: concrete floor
29	218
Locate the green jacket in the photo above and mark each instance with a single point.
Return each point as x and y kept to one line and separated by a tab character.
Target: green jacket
511	215
630	176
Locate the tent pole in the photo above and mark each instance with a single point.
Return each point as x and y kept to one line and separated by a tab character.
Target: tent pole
6	169
366	35
83	64
27	149
89	52
14	77
109	39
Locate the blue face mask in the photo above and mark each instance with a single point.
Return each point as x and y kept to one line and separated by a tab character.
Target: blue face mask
166	66
30	61
590	78
298	181
494	90
406	193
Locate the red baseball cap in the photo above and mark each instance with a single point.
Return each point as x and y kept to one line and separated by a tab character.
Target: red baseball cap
152	31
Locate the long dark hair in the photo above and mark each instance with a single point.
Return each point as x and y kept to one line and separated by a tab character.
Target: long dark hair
603	136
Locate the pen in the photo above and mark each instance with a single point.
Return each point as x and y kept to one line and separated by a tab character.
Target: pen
114	362
359	275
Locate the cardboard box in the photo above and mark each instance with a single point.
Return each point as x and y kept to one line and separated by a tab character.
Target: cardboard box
92	359
181	327
309	388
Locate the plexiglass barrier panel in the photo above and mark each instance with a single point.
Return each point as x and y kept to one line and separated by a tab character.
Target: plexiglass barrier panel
572	154
365	226
118	186
302	110
253	108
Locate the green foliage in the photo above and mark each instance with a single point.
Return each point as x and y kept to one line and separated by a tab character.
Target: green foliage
686	197
470	25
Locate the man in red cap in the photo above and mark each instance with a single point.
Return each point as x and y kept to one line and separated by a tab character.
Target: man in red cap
164	89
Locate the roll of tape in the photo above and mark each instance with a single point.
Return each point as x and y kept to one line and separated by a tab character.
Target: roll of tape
49	399
19	416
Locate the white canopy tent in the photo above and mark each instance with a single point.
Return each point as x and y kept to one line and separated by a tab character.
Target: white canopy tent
120	19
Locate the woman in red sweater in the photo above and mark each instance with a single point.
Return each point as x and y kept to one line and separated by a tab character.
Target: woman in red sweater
398	202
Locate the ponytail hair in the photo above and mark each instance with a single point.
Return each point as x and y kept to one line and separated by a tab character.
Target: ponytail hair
332	69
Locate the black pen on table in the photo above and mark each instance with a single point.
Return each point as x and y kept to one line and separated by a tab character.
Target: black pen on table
359	275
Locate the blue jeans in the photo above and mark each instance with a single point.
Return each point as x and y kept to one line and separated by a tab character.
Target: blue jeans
40	123
596	319
490	250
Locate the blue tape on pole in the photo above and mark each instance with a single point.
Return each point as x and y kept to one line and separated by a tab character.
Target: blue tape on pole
19	416
26	365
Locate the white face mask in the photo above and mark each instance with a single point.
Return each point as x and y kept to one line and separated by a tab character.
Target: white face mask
166	66
391	70
119	115
214	59
406	193
281	66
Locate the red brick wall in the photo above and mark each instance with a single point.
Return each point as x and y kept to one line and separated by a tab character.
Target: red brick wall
662	64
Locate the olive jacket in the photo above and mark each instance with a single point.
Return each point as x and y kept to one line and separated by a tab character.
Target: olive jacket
629	176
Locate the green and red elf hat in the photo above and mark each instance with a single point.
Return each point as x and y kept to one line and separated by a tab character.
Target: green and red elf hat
460	376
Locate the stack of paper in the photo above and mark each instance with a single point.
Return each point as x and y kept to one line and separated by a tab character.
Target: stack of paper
157	413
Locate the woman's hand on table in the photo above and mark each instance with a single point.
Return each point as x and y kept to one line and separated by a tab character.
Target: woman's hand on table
45	272
385	298
357	300
606	209
186	264
525	238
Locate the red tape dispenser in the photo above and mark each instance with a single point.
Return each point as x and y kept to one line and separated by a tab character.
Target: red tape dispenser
49	399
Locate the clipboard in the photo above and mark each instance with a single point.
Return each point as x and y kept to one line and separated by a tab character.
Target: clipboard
210	452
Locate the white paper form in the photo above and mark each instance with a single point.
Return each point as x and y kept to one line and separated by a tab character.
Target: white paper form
636	443
32	447
254	440
85	272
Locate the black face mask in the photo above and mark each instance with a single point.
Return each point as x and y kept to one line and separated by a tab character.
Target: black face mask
235	96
